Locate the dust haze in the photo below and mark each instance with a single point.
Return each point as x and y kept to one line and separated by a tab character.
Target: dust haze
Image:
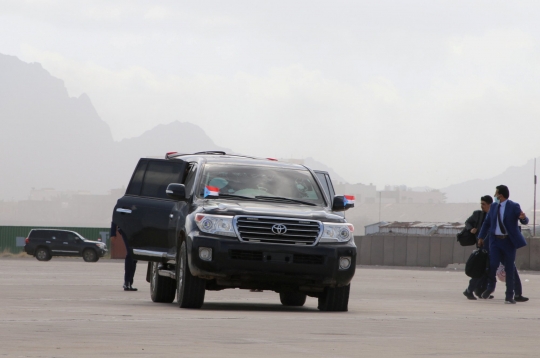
418	108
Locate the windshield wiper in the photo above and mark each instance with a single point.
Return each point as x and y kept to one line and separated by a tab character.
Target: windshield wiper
279	198
232	196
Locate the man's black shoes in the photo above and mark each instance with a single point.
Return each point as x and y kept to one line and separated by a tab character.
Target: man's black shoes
478	294
128	287
486	294
469	295
521	298
510	301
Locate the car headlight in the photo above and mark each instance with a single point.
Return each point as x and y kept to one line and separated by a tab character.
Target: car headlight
215	224
101	245
337	232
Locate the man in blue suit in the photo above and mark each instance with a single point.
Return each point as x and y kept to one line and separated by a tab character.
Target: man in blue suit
501	227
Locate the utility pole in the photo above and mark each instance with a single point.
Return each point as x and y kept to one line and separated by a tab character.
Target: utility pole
380	208
534	208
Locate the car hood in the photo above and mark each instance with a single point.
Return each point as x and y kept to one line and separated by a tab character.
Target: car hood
261	208
94	242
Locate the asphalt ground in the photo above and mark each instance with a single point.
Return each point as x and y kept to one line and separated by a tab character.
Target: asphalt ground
69	308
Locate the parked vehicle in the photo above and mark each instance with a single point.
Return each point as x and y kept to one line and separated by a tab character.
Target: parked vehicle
211	221
46	243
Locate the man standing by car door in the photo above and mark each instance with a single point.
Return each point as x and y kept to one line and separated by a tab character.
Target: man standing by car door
130	265
505	238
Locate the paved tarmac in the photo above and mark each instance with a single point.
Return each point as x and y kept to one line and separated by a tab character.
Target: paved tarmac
69	308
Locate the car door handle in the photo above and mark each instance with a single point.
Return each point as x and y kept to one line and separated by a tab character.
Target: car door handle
124	211
65	243
47	242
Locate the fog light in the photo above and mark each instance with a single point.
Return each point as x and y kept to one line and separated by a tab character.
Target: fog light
344	262
205	253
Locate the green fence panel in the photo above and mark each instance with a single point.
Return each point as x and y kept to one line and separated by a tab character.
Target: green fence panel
12	237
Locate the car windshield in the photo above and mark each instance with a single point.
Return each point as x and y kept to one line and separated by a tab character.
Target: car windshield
260	183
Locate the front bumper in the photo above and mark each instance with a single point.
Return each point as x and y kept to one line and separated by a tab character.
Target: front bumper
268	265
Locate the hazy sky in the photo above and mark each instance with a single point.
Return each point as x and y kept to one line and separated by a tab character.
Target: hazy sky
389	92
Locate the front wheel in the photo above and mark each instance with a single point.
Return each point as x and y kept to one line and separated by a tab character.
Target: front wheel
90	255
190	290
335	299
162	289
292	298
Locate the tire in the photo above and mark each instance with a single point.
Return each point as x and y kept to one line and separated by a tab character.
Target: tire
292	298
162	289
189	289
90	255
42	254
335	299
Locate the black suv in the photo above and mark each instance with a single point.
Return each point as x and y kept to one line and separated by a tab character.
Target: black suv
46	243
211	221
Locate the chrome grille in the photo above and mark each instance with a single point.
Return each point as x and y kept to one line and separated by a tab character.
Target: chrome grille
260	229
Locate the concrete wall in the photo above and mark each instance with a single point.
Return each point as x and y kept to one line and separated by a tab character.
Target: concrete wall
430	251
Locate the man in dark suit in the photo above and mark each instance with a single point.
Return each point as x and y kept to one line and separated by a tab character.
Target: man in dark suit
501	227
475	221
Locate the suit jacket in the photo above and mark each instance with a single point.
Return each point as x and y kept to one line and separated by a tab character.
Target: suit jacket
475	221
510	222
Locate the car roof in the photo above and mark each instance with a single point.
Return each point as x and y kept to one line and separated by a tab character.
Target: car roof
224	158
55	230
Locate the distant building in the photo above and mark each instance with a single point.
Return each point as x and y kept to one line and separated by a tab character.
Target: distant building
364	194
373	229
403	194
414	228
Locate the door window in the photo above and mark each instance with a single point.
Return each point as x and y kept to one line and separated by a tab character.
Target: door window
60	236
134	187
159	174
71	237
190	178
328	189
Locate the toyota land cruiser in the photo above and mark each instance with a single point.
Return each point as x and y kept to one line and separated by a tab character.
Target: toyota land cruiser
211	221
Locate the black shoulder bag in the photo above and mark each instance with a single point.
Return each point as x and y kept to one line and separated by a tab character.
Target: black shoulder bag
466	237
477	264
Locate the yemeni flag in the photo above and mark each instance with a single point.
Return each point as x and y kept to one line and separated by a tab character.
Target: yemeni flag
211	191
349	199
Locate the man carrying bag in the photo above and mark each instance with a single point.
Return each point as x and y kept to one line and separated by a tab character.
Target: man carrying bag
478	263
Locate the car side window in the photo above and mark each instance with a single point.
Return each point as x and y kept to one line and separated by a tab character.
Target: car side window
324	183
48	235
330	186
134	187
70	237
190	178
40	234
60	236
159	174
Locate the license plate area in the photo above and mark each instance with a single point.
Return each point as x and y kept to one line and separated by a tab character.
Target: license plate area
277	257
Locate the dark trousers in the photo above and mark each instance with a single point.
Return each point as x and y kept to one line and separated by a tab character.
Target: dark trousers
130	265
503	251
478	283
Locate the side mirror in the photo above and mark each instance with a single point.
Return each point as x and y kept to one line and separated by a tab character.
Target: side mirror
176	191
343	202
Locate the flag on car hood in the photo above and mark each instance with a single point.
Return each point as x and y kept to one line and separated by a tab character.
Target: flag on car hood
211	191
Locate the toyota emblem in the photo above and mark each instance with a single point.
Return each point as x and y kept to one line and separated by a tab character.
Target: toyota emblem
279	229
